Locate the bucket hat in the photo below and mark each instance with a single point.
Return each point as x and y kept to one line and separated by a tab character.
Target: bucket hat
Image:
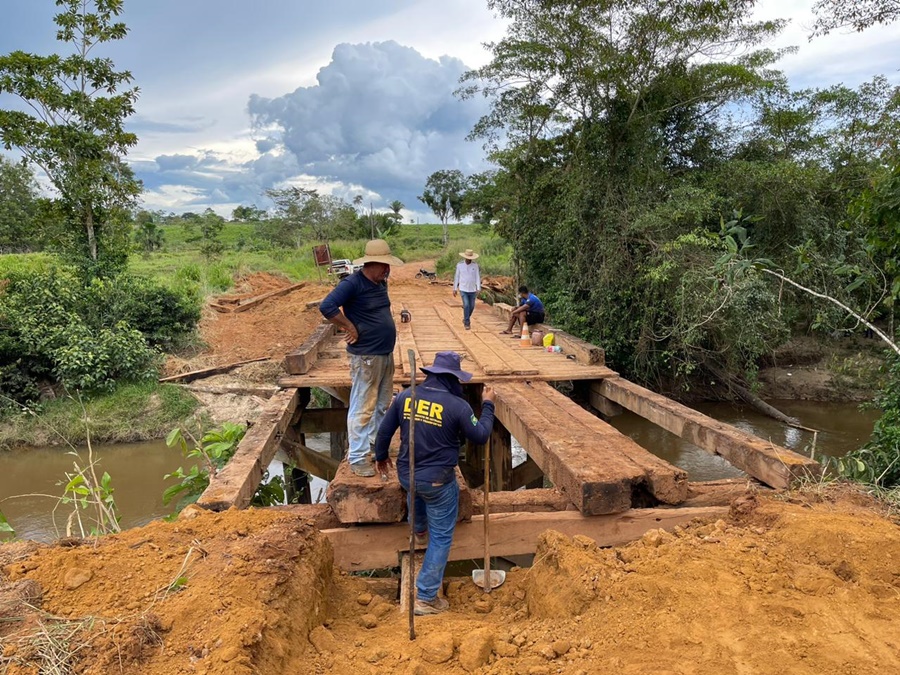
469	254
448	362
377	250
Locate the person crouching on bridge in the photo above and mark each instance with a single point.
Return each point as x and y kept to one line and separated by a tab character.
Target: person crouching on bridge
444	417
371	335
529	311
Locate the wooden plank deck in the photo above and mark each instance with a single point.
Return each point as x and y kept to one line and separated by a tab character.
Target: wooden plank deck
488	355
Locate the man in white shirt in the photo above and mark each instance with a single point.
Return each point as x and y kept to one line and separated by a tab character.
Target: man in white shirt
468	282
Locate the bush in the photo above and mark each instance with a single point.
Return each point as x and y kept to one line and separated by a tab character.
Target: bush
56	329
878	462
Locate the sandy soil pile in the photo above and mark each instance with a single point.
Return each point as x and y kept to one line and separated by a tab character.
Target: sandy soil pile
271	329
232	593
777	588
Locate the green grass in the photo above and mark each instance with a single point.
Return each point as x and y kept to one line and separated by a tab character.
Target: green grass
12	263
133	412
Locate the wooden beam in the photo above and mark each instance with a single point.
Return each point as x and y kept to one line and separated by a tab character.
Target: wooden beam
501	458
299	361
379	546
603	405
539	500
236	483
765	461
600	470
323	420
316	463
526	473
244	305
207	372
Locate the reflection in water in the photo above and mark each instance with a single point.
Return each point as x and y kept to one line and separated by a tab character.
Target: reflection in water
137	469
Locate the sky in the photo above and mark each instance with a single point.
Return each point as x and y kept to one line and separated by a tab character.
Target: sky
347	96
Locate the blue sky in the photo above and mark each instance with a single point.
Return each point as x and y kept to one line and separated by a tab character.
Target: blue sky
350	96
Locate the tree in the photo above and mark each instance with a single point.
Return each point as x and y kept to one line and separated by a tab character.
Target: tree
207	230
859	15
444	193
396	207
148	234
75	133
303	214
18	207
246	214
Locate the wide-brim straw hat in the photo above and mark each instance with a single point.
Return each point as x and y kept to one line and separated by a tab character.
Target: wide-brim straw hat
378	251
469	254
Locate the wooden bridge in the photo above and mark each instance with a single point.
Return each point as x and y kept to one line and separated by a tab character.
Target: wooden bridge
604	485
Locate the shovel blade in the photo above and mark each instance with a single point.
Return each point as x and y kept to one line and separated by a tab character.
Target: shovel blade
497	578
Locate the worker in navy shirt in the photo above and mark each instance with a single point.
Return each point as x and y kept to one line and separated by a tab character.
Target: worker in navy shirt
371	335
530	310
443	419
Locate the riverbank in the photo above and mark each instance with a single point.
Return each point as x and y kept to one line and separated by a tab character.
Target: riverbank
798	583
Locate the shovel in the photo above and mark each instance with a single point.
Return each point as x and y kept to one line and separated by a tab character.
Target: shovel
495	577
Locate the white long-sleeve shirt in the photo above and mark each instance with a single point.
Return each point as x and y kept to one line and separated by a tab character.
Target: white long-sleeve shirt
467	278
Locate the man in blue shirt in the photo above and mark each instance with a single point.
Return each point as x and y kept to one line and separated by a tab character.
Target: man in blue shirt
371	335
530	310
443	418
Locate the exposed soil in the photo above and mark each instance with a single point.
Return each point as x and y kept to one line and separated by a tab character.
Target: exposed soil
808	369
803	586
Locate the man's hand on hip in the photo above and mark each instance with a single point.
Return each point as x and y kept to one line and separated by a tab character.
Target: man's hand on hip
352	334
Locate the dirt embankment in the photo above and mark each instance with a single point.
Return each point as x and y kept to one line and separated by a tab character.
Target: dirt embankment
844	369
776	588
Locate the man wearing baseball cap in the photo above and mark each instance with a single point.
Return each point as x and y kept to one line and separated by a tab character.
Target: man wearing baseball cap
371	335
442	418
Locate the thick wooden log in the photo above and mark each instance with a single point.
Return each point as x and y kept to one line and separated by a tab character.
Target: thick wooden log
323	420
358	500
299	361
599	469
208	372
603	405
540	500
237	481
773	465
374	547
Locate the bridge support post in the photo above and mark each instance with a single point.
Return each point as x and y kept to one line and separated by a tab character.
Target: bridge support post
338	438
501	458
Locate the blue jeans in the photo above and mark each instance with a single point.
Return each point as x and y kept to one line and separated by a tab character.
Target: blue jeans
468	300
370	396
437	508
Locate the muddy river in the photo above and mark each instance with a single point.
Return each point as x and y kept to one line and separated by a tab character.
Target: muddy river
137	469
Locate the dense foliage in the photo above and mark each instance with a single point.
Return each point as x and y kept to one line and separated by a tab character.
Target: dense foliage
632	138
86	336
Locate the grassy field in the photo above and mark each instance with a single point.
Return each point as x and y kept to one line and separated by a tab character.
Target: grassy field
144	411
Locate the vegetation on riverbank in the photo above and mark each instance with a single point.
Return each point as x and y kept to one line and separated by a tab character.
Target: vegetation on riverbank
131	412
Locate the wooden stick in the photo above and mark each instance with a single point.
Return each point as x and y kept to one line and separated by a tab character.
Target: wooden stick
206	372
487	509
411	355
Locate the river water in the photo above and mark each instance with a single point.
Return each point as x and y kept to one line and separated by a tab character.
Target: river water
137	469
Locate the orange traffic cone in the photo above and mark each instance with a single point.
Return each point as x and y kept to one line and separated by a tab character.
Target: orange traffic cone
525	340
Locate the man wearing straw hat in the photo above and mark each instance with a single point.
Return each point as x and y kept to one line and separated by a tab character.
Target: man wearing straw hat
371	334
443	416
468	282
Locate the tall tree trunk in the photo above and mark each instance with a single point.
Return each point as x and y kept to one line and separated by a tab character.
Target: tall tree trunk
91	235
446	232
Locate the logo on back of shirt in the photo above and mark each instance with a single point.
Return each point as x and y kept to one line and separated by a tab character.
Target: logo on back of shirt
426	411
